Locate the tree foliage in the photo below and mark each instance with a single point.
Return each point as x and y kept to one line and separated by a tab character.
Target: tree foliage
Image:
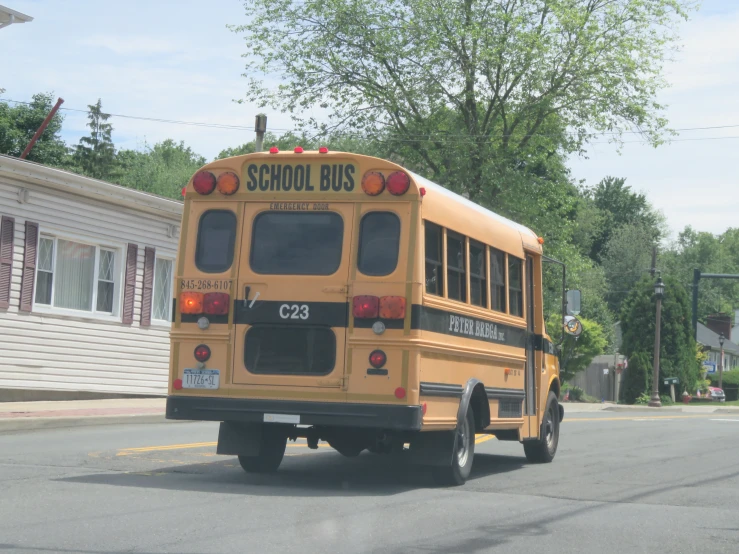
635	381
20	122
95	153
161	169
677	345
475	94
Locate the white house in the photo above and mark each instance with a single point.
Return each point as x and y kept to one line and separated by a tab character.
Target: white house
86	275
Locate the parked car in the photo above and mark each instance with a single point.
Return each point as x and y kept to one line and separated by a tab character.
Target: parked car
717	394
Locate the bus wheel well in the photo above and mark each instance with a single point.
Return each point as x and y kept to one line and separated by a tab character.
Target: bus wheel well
480	407
555	388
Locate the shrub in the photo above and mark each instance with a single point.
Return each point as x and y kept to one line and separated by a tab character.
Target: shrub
642	399
666	400
635	381
576	394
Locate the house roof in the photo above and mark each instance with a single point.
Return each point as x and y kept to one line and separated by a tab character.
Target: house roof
8	16
706	337
50	177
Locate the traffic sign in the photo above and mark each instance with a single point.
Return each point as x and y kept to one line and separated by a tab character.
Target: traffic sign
709	367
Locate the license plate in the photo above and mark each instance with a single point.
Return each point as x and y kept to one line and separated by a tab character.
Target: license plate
201	379
281	418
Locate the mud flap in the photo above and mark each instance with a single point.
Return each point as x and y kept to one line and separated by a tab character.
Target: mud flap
239	439
433	448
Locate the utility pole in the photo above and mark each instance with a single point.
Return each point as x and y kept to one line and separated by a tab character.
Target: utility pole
41	129
260	127
659	291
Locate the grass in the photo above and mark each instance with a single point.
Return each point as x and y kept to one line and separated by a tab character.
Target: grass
732	403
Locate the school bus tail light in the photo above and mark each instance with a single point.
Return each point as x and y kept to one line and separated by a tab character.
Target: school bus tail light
204	182
216	303
373	183
227	183
392	307
191	303
397	183
202	353
377	359
365	307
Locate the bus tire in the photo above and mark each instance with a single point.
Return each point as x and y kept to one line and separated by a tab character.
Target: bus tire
542	450
464	451
271	452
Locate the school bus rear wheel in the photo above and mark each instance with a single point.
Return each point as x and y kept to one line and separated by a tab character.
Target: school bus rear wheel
464	451
542	450
272	450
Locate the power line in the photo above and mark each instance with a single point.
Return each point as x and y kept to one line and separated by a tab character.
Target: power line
420	137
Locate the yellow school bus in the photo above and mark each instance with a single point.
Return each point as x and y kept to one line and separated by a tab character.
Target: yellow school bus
342	298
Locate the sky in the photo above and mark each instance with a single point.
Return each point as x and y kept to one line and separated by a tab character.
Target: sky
177	60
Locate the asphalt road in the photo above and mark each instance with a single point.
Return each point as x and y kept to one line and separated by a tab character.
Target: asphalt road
620	483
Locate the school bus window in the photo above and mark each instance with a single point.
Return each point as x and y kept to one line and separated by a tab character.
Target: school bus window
214	252
478	275
379	240
516	286
497	281
293	350
434	265
456	270
297	243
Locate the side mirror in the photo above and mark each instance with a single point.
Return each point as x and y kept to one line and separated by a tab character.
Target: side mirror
573	327
573	302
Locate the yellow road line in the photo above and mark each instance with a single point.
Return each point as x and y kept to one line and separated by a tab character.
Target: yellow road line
483	438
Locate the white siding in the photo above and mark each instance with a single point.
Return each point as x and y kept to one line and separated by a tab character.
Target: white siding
62	353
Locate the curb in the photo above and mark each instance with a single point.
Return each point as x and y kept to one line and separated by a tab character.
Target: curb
42	423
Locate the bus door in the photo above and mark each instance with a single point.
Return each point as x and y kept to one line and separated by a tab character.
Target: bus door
291	311
530	377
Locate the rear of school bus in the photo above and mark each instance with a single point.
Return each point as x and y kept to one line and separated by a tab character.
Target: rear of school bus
295	280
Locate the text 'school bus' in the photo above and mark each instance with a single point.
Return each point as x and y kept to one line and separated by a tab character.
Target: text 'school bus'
342	298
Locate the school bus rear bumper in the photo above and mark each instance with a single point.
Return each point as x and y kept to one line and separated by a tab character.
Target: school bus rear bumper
370	416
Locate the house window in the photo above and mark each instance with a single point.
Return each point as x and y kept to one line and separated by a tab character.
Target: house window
76	276
162	305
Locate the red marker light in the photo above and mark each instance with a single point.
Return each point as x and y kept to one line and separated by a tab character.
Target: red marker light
397	183
274	150
184	191
298	149
423	408
400	393
204	182
177	384
323	150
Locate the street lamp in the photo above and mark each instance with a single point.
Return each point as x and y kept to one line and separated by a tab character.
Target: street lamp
659	292
721	340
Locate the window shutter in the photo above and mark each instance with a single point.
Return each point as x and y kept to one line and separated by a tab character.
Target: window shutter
29	266
148	286
7	235
129	286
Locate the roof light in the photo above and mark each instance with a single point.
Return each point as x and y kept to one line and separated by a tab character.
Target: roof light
204	182
540	240
398	183
298	149
373	183
184	191
422	191
227	183
323	150
274	150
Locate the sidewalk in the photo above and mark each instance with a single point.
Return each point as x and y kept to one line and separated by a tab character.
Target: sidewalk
708	408
15	416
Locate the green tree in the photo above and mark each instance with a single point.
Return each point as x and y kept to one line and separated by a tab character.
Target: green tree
288	141
95	154
162	169
635	381
19	123
477	95
579	353
677	345
618	206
